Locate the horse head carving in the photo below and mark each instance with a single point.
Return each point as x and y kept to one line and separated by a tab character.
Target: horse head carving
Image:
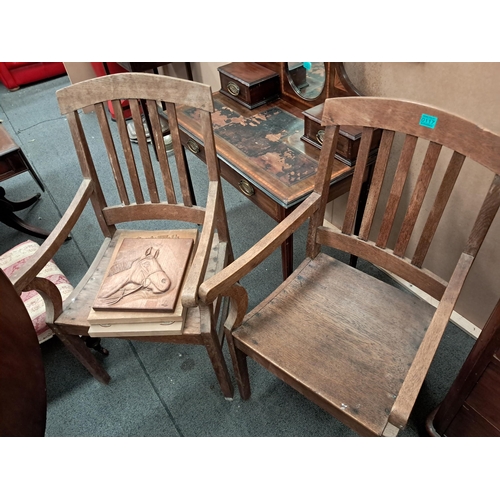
144	273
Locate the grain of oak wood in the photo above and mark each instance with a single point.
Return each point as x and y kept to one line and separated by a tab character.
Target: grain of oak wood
358	348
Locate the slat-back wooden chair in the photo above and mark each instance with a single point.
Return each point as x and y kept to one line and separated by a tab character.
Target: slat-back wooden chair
355	345
138	193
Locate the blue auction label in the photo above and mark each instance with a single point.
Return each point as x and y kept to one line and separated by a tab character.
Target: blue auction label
428	121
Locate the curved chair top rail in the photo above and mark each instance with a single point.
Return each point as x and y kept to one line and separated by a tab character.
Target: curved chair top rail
135	86
431	123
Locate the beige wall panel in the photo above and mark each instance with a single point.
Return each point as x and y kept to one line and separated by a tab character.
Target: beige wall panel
79	71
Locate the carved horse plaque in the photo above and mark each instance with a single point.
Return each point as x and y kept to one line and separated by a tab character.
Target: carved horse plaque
145	274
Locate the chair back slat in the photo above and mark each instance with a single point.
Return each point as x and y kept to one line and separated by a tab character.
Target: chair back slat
484	219
417	198
88	170
397	189
147	166
357	181
209	145
111	150
321	188
127	150
180	156
160	151
377	180
442	197
148	184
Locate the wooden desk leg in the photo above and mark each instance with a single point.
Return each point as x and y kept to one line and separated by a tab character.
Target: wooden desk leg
188	177
32	171
363	198
15	206
189	71
287	257
9	218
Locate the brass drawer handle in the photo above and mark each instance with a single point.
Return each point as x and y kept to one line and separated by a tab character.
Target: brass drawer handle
320	135
193	147
246	188
233	89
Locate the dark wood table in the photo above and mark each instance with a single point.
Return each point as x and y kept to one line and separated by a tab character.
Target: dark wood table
23	392
14	162
262	155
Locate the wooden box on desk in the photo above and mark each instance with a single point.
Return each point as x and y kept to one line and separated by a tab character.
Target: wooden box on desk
349	138
249	84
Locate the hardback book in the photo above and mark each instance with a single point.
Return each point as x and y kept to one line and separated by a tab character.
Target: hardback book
144	278
137	329
136	317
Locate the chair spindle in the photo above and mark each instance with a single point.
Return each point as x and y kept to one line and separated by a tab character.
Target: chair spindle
127	150
442	197
417	198
357	181
396	190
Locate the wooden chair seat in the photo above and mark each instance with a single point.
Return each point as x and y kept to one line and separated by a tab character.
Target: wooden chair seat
360	380
75	315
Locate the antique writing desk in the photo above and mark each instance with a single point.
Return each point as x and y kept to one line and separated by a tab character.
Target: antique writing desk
261	154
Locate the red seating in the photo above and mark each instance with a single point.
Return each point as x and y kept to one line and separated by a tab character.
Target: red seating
15	74
110	69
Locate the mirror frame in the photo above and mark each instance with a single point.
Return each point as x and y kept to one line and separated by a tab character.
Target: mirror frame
301	73
337	84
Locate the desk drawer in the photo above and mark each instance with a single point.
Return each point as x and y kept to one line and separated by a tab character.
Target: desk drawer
252	192
349	137
249	189
194	146
249	84
12	164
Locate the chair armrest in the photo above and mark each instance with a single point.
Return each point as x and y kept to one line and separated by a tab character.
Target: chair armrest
198	267
50	295
222	281
27	273
418	370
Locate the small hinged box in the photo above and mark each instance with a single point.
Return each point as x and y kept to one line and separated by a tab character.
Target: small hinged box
249	84
349	137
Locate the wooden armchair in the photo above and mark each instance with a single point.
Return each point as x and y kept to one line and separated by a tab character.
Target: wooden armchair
356	346
143	190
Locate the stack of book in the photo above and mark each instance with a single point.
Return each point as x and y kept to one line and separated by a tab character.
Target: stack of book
140	291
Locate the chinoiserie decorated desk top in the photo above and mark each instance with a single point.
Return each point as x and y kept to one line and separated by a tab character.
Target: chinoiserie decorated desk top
264	145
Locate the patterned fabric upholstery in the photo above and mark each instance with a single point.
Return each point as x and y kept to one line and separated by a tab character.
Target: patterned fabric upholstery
11	261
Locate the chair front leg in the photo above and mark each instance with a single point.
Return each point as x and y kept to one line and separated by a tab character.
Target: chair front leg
240	367
76	345
214	350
